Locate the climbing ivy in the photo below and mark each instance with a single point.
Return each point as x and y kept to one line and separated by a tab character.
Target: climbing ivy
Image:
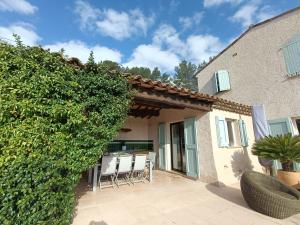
55	122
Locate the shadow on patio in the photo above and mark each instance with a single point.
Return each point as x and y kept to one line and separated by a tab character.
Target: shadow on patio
228	193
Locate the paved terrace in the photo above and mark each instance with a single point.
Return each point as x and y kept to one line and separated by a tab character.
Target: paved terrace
169	199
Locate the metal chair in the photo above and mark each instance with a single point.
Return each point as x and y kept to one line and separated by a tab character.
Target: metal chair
125	167
108	169
152	157
138	169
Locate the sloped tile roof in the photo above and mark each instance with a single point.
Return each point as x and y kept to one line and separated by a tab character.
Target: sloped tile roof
217	103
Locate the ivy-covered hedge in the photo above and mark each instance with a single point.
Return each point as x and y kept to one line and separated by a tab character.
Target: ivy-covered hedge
55	122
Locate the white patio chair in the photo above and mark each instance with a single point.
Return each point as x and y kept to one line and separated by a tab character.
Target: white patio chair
108	169
125	167
138	169
152	157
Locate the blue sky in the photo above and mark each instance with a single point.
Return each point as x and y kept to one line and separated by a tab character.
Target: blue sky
135	32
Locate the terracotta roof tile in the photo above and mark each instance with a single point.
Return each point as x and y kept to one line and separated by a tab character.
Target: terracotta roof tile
217	103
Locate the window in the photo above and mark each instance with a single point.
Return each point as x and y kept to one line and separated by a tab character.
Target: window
291	52
221	81
231	132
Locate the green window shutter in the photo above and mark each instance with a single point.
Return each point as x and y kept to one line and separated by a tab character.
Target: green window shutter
296	166
291	52
222	131
190	139
223	80
280	126
243	133
162	145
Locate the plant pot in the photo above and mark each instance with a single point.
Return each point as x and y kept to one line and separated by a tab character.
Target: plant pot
289	178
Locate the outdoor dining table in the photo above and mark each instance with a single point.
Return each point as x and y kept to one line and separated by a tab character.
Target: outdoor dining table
93	173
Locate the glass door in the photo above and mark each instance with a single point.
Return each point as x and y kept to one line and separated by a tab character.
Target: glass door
177	147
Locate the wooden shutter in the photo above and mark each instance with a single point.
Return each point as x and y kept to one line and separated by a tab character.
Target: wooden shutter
243	133
222	80
291	52
222	131
280	126
162	146
190	139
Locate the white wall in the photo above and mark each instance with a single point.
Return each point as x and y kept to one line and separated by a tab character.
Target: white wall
216	164
232	161
139	129
257	69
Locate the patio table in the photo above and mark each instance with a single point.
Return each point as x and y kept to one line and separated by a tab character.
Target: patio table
93	173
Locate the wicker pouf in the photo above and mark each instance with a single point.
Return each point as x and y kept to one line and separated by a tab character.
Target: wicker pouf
269	196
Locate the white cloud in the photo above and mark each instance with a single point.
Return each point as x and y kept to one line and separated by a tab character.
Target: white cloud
24	30
201	47
252	13
81	50
245	15
211	3
152	56
166	37
189	22
265	13
112	23
167	49
87	14
20	6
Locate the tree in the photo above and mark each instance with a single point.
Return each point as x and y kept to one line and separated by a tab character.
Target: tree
201	65
142	71
91	66
55	122
185	75
155	75
110	66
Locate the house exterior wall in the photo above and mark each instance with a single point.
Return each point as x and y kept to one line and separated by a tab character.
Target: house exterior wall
139	130
257	69
224	165
168	116
232	161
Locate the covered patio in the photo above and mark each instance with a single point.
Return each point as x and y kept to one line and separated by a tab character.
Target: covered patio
156	106
169	199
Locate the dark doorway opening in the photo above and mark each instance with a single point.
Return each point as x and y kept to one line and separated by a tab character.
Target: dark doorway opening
178	147
298	125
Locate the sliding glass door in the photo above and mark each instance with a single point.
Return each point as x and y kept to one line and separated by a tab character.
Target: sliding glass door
178	147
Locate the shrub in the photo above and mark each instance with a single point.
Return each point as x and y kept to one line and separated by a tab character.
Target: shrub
55	122
285	148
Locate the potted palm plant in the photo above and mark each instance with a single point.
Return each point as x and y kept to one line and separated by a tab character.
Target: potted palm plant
284	148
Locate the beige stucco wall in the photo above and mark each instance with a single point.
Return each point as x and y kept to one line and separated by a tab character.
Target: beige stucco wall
257	69
231	162
139	129
216	164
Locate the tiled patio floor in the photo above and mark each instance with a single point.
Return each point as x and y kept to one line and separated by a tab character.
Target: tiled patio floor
169	199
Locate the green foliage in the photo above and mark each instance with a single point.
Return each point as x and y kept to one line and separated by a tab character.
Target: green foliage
165	78
142	71
55	122
155	75
285	148
185	75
